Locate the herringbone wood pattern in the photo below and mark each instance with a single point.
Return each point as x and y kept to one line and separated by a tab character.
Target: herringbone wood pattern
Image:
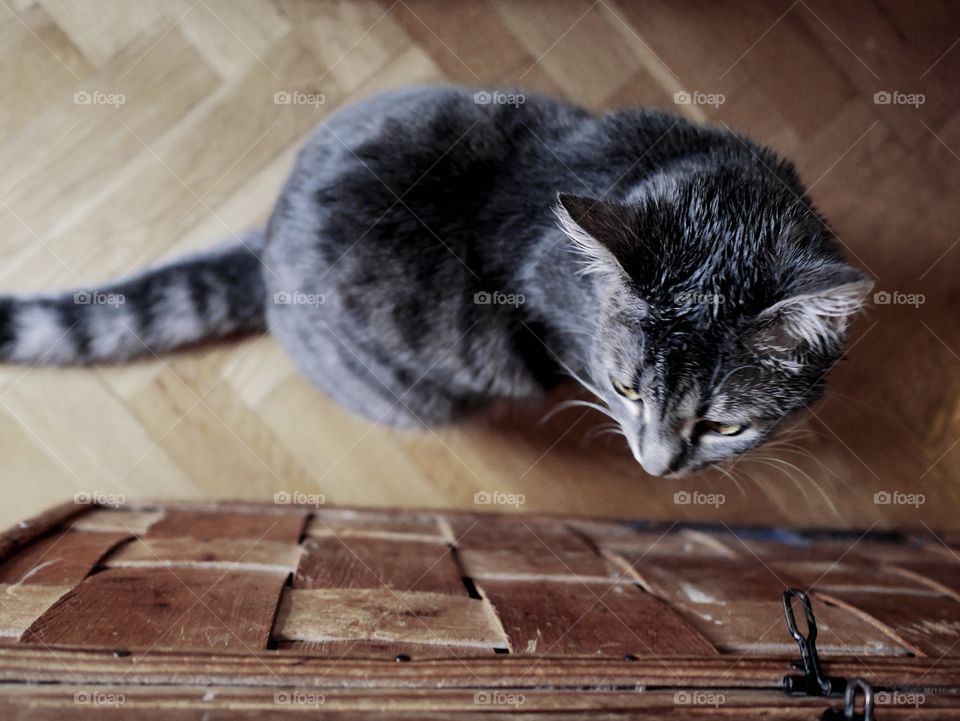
198	149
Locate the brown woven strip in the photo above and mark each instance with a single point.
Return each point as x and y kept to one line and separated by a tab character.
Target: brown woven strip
21	605
363	562
385	616
185	608
59	559
236	554
283	527
544	619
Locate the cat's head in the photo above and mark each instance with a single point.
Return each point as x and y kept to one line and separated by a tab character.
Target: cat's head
722	304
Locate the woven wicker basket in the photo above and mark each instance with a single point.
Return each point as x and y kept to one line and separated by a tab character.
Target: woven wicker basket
175	611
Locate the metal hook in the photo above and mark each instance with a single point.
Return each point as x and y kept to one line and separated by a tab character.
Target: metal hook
813	682
849	711
850	700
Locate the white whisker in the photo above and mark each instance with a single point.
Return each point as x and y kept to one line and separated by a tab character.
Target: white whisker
574	403
589	386
718	386
603	430
772	461
767	462
729	475
596	406
796	450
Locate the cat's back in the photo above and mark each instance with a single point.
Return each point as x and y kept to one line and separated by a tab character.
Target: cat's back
419	163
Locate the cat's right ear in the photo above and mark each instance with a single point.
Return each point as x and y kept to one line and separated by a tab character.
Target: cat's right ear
600	231
815	315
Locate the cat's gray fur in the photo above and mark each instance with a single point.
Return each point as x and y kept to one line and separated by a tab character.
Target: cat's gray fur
680	260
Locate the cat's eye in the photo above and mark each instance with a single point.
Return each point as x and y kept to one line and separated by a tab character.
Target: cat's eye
626	391
723	429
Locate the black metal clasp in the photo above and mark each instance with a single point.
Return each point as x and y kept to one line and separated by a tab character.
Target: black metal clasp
813	682
849	710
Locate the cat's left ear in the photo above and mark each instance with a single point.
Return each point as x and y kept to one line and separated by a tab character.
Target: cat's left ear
600	229
816	314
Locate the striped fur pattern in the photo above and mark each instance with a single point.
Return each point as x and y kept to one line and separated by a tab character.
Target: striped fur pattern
204	296
414	268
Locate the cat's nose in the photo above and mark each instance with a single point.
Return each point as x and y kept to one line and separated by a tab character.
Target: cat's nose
657	466
660	458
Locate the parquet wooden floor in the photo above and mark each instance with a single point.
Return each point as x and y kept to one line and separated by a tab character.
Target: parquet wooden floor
198	149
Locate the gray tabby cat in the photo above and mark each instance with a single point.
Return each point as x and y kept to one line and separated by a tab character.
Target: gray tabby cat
434	250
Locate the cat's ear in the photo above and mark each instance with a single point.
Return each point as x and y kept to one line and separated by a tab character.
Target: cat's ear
815	315
599	229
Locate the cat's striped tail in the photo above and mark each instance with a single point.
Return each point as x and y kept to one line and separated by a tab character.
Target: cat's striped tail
198	297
